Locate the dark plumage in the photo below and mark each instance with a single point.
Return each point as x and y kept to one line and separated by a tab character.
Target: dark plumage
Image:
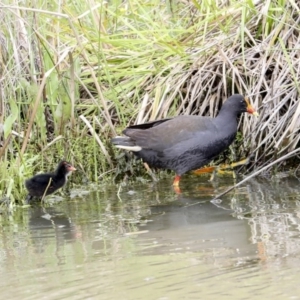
185	142
47	183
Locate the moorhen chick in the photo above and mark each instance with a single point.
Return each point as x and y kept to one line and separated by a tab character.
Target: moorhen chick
185	142
47	183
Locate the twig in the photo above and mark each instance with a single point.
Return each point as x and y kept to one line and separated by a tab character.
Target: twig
38	100
45	192
7	141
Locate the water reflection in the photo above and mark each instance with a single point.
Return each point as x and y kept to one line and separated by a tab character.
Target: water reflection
184	227
145	242
42	219
273	213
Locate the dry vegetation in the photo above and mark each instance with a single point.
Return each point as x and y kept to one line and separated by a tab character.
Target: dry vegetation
74	75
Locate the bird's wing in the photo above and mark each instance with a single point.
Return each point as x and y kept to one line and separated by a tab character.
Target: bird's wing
173	132
41	178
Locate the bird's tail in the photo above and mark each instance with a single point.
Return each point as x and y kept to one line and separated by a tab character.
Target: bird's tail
124	142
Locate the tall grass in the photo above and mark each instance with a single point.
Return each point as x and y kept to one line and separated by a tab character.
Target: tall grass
75	74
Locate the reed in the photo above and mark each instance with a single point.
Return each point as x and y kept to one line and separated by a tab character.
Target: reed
72	76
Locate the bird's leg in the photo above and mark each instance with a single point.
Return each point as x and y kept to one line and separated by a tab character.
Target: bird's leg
176	180
204	170
231	166
221	169
176	184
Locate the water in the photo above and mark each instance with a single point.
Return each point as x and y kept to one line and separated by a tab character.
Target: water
145	242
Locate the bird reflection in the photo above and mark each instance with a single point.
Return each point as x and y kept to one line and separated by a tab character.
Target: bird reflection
50	226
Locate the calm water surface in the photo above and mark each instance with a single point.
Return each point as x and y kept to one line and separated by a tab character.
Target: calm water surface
145	242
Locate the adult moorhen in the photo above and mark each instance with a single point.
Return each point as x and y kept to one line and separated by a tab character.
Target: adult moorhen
185	143
45	184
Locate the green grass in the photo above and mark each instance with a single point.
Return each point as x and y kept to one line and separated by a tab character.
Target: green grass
73	76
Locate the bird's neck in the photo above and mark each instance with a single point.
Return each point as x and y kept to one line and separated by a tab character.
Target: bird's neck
61	174
226	119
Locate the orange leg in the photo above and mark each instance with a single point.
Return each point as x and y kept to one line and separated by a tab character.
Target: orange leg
176	180
221	168
176	184
204	170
